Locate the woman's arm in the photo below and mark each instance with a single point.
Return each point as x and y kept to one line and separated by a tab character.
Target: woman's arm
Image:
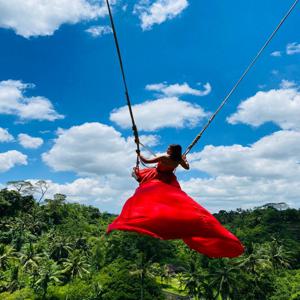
149	161
184	163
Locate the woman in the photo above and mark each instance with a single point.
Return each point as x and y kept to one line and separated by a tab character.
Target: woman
160	208
166	165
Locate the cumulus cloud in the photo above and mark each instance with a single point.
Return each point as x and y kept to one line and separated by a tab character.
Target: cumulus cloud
97	31
161	113
10	159
280	106
159	11
150	140
91	149
232	192
178	89
5	136
292	48
14	102
268	158
276	54
102	158
107	193
237	176
247	176
29	142
41	18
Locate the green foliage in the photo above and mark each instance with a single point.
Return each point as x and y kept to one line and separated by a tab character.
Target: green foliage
287	286
58	250
23	294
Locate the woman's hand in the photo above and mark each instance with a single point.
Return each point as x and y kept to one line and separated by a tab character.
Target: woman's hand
184	163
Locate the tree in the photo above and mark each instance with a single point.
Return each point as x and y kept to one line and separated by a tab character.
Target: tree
47	273
194	278
279	257
7	255
41	187
223	277
22	186
121	284
12	202
75	265
30	258
60	247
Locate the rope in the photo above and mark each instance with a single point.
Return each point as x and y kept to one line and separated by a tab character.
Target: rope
242	77
147	148
134	128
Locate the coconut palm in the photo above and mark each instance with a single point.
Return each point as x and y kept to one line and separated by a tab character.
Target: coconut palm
59	248
7	254
256	262
223	278
47	274
279	257
30	258
13	283
75	265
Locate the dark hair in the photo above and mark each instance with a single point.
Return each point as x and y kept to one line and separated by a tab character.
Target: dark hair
176	152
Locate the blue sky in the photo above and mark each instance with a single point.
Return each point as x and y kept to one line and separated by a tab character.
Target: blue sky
62	114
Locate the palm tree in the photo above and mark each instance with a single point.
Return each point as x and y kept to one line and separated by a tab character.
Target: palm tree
75	265
279	257
48	273
194	279
60	247
223	278
14	282
19	233
29	258
7	253
257	261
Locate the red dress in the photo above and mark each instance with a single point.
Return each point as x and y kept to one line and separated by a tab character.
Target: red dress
160	208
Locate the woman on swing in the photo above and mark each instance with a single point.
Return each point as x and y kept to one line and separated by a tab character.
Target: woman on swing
166	165
161	209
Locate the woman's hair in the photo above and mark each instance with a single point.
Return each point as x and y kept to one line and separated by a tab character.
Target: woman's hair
176	152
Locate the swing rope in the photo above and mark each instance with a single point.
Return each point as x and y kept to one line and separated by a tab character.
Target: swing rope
189	148
134	127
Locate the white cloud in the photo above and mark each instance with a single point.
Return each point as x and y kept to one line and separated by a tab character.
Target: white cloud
107	193
91	149
274	156
160	113
97	31
149	140
292	48
10	159
159	11
276	54
178	89
5	136
240	176
286	84
30	142
231	192
280	106
247	176
14	102
40	17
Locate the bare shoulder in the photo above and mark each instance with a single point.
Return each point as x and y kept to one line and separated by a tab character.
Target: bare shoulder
164	158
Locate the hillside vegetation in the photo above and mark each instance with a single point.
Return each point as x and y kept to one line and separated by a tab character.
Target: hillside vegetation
58	250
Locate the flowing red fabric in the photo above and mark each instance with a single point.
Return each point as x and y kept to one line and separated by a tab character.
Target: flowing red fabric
160	208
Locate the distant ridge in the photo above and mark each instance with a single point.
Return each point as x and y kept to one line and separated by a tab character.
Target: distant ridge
278	206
